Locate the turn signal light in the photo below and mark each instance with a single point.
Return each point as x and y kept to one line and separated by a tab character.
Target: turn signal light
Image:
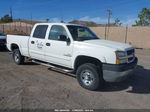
117	61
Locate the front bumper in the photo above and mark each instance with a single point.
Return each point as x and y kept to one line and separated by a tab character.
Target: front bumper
117	73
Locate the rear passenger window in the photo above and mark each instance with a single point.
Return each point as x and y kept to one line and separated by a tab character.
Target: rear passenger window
40	31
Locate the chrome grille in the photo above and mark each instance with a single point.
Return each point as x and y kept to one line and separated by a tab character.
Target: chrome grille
130	52
131	55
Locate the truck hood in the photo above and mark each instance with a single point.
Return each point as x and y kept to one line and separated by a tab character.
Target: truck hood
110	44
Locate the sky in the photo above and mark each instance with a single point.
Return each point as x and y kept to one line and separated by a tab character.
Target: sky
68	10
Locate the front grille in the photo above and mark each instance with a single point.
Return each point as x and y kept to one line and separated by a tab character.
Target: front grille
131	54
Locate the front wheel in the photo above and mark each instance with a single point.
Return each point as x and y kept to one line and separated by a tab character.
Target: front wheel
17	57
90	77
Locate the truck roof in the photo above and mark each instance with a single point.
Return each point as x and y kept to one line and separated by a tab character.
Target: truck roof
58	24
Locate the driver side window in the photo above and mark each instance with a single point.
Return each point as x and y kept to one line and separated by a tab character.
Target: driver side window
57	31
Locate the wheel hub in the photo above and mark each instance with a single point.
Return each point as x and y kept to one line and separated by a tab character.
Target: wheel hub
87	77
16	57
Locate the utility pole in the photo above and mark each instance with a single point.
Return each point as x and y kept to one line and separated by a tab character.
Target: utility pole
126	35
31	18
11	13
109	13
31	23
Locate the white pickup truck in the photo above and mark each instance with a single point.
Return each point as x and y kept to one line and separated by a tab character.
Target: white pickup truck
76	49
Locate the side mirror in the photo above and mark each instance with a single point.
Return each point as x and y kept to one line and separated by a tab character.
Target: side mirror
68	40
62	38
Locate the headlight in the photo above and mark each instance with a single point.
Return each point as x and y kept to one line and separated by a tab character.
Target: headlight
121	57
121	54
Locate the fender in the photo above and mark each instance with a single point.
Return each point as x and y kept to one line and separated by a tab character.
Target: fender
87	54
16	45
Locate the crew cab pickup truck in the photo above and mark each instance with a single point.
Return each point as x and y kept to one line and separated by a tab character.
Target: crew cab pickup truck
76	49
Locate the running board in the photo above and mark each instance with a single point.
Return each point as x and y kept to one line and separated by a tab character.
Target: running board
52	66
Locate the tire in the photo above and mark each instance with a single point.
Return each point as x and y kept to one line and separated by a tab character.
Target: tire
90	77
17	57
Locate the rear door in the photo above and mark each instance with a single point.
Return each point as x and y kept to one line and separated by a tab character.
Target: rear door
37	42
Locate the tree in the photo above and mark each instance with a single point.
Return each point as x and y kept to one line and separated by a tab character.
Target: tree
6	19
144	18
74	22
62	21
117	22
90	24
47	20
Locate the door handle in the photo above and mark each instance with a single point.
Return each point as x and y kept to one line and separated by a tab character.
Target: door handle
48	44
32	42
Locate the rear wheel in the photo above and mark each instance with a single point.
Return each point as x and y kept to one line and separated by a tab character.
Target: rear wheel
90	77
17	57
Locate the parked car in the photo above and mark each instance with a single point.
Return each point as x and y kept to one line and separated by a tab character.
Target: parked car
2	40
75	49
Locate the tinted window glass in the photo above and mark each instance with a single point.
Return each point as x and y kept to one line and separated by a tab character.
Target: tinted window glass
81	33
56	31
40	31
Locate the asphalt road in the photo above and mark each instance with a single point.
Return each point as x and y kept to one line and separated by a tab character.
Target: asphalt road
32	86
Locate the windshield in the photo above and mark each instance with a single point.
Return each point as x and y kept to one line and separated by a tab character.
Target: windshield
81	33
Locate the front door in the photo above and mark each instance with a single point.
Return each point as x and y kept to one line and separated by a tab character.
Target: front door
58	51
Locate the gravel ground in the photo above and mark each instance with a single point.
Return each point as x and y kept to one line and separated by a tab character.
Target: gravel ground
32	86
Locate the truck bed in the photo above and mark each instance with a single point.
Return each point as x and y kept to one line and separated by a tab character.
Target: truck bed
21	41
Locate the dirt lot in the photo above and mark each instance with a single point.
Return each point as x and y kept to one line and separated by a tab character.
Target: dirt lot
33	86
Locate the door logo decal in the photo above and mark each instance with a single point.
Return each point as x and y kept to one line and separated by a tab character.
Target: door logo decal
39	44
